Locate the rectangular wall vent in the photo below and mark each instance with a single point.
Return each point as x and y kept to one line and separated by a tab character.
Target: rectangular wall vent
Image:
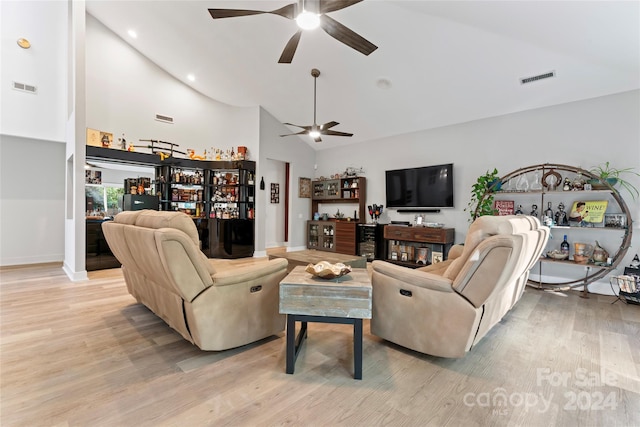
165	119
532	79
24	87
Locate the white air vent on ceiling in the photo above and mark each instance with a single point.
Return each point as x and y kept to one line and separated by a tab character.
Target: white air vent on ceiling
24	87
532	79
166	119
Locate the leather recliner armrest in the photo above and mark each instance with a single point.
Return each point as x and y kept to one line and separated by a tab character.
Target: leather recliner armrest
241	275
413	277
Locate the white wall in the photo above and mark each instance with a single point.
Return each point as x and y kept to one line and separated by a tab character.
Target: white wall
583	133
41	115
32	132
125	91
32	188
274	172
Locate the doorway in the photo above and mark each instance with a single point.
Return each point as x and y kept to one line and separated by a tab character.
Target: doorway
277	210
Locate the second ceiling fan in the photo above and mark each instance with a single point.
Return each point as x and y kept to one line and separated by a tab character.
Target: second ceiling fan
315	130
309	14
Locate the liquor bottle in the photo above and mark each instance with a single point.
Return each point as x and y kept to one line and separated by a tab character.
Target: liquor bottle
548	213
564	246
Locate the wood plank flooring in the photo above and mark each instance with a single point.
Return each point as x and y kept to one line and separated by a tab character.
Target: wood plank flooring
86	354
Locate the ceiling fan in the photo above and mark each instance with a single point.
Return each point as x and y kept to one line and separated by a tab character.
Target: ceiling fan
314	131
308	14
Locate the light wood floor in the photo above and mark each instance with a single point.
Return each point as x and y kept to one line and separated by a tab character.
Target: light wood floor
85	354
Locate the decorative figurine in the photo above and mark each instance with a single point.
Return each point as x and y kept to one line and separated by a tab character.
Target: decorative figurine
578	182
519	210
567	184
561	215
534	210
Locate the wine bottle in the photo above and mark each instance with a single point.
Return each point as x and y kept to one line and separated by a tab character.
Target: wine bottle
549	213
564	246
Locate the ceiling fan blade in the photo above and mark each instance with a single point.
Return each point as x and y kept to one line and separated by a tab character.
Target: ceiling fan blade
302	132
333	5
307	128
346	36
336	133
290	49
287	11
329	125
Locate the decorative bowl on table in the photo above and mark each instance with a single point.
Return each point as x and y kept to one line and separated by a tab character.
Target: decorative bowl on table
326	270
556	254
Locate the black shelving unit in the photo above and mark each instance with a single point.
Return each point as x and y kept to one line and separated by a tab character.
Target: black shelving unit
225	233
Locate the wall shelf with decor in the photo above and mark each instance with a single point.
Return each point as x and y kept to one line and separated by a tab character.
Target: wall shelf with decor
597	214
343	190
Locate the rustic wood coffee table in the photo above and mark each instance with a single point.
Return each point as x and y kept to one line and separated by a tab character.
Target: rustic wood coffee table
304	298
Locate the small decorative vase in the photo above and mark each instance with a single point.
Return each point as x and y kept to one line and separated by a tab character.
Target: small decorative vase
522	184
536	185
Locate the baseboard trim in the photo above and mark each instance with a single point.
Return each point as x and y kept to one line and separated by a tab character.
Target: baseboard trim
75	276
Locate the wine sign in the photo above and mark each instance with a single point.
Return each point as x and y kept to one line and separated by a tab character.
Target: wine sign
504	207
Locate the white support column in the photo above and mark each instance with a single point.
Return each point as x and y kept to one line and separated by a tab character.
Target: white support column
75	244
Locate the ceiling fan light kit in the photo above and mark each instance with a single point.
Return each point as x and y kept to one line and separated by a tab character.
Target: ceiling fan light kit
308	19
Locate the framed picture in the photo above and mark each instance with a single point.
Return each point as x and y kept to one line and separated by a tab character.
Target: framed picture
304	188
436	257
504	207
92	177
394	256
615	220
404	256
275	192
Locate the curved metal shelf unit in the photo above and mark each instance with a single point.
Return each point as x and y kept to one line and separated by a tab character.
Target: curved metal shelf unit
599	271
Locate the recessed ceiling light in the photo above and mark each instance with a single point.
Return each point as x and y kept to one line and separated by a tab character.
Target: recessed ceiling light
132	34
191	77
24	43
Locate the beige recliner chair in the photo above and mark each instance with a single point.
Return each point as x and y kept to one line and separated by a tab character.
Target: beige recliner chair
165	270
445	311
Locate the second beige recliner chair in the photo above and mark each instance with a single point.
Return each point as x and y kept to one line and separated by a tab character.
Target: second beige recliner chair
445	312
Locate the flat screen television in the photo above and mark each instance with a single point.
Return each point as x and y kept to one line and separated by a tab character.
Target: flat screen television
429	187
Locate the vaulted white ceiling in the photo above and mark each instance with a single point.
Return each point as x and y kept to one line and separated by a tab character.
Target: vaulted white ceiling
437	63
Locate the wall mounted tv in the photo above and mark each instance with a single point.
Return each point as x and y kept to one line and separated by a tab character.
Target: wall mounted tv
424	188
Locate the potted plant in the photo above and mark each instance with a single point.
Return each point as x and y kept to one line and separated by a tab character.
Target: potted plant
608	176
481	202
